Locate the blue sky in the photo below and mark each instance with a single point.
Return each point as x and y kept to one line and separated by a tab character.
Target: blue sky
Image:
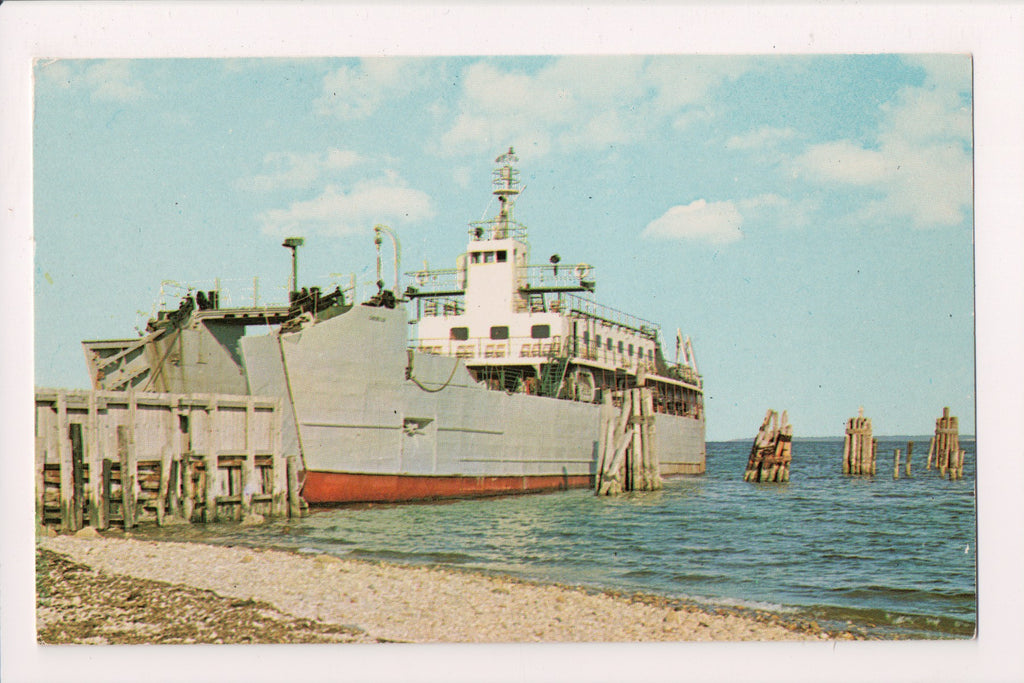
807	220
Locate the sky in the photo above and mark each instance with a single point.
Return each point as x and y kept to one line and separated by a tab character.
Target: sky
806	220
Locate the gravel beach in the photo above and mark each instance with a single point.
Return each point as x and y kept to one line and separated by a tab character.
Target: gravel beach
121	590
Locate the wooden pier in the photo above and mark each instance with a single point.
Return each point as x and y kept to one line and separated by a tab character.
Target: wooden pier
772	452
106	458
628	458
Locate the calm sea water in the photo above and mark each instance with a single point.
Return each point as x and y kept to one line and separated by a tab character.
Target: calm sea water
895	557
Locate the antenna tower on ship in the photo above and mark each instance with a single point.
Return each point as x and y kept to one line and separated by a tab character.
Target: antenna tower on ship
506	188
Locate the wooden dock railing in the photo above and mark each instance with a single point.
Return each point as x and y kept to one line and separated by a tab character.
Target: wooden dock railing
107	458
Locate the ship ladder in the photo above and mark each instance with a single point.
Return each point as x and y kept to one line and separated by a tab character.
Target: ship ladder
554	376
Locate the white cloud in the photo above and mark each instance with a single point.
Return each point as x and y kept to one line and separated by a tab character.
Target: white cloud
111	80
714	223
919	164
575	103
353	92
845	161
338	212
291	170
762	138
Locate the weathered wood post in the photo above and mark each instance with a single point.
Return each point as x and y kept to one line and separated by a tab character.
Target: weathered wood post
108	475
77	473
896	465
910	452
67	482
606	438
650	441
211	462
40	475
280	474
94	463
294	509
188	482
249	466
858	454
772	450
124	448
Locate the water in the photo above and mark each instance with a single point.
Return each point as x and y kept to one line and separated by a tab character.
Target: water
897	558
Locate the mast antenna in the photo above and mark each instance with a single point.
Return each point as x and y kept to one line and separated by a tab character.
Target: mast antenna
506	188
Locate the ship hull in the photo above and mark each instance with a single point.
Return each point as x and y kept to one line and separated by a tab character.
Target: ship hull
373	422
331	488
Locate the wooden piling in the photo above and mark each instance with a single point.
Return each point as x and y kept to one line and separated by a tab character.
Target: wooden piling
211	463
896	465
628	460
67	484
294	510
249	465
77	473
771	452
40	444
910	453
94	463
280	474
127	480
105	490
858	447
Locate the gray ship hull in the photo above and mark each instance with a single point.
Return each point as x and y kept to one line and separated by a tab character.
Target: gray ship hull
373	421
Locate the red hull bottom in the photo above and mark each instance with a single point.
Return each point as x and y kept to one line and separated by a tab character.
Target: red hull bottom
325	488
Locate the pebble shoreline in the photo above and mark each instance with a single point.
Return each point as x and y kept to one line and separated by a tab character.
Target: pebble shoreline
377	602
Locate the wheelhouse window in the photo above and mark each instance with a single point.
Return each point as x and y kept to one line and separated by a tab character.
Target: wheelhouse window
502	256
499	332
609	343
630	350
488	257
475	257
460	333
621	346
539	331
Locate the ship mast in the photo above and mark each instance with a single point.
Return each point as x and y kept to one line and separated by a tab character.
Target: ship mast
506	188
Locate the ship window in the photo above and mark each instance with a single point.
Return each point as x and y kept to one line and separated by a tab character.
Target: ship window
499	332
620	347
475	257
630	350
460	333
598	341
488	257
650	354
586	337
502	256
540	331
609	343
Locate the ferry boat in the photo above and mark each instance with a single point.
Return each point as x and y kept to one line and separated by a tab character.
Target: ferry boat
497	389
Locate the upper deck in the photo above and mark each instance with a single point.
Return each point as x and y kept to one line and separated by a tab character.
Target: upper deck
496	309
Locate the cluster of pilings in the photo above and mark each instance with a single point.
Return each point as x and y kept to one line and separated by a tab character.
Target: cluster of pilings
628	458
772	450
945	447
859	448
